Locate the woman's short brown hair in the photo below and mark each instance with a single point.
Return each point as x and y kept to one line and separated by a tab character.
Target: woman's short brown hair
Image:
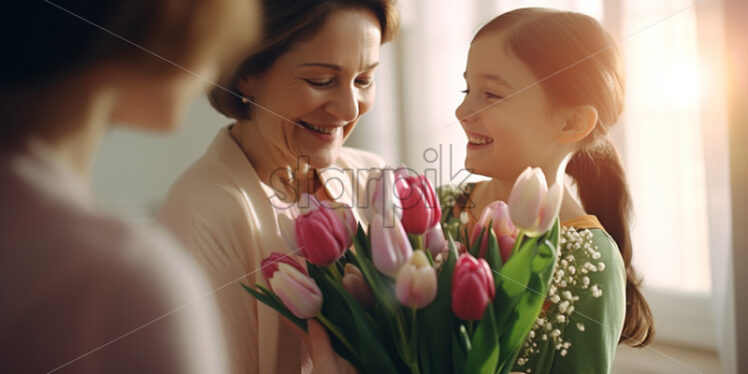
286	22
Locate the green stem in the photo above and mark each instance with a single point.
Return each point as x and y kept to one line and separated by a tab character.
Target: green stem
333	270
338	334
518	242
413	344
419	241
471	325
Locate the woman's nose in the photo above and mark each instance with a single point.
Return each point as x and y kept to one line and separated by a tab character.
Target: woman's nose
344	106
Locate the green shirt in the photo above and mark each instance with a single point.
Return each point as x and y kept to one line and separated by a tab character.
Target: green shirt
582	321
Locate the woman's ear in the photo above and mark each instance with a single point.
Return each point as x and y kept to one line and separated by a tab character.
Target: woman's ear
245	86
580	121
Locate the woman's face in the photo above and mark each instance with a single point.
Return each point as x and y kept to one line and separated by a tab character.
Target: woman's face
505	114
315	93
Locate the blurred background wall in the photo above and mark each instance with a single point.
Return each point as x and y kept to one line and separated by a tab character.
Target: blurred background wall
673	137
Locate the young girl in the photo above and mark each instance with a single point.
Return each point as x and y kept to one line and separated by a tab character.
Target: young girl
544	88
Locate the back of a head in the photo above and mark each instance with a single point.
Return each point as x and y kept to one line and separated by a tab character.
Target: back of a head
46	41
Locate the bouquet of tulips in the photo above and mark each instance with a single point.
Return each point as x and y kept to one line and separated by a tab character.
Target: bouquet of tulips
400	297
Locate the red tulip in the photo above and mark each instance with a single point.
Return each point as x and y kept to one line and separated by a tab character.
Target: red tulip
472	287
323	232
421	210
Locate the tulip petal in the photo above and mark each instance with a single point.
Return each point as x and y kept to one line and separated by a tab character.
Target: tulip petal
550	208
297	291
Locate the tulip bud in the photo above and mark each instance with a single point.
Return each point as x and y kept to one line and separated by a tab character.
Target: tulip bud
498	213
434	240
322	233
472	287
390	247
354	283
380	190
415	285
421	210
532	206
270	264
298	292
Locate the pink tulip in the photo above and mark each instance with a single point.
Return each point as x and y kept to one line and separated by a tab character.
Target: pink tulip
390	247
532	206
472	287
421	210
380	191
323	232
506	233
297	291
270	264
415	285
354	283
434	241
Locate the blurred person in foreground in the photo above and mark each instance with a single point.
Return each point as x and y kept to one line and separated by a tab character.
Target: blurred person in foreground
83	291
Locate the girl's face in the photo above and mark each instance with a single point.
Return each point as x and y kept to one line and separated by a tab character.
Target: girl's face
319	89
505	114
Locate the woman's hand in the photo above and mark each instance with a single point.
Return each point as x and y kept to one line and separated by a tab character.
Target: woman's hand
323	356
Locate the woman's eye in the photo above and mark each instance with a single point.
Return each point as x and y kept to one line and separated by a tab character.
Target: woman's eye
465	91
364	82
320	84
492	96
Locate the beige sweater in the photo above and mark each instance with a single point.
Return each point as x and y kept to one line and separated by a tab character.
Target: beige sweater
223	214
85	292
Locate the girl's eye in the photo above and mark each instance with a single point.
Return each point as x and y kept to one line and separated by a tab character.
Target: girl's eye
465	91
492	96
320	84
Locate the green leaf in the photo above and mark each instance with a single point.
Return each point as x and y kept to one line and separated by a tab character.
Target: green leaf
484	354
434	347
269	298
526	307
493	256
458	354
374	358
361	242
475	249
516	272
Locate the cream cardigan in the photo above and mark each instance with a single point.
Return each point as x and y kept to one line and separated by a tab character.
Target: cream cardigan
222	213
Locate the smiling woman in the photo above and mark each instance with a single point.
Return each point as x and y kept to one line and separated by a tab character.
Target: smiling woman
295	99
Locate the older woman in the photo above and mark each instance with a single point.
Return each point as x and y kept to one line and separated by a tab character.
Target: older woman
295	99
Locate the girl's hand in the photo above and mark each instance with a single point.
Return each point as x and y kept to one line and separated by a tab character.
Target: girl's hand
323	356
